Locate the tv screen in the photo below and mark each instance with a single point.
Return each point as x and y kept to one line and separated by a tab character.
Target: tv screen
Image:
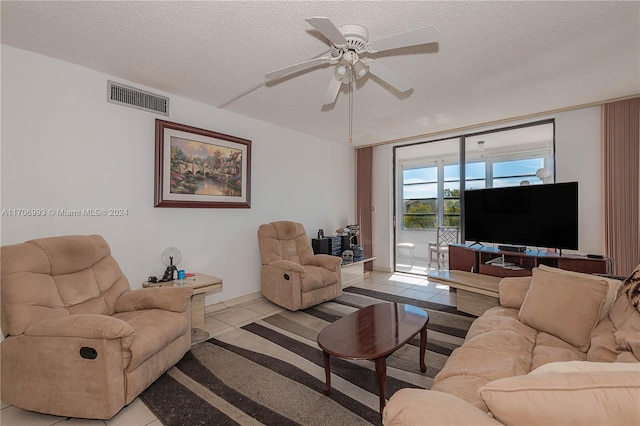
544	216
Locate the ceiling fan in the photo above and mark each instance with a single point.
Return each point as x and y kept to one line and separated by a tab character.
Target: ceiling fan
350	47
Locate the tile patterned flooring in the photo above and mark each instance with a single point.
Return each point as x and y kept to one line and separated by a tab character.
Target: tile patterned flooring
223	317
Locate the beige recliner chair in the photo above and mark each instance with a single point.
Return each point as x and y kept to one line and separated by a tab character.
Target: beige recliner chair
292	276
78	342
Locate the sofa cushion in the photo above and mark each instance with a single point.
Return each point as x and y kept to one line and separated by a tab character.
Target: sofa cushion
513	290
318	277
581	398
586	366
565	306
603	346
497	345
414	406
154	329
550	348
612	291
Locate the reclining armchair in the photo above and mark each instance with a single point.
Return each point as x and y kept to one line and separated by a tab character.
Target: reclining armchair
78	342
291	275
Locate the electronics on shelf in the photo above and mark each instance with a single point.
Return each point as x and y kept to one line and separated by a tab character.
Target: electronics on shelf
518	249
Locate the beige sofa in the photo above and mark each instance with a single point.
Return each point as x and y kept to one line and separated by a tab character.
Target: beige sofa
78	342
563	348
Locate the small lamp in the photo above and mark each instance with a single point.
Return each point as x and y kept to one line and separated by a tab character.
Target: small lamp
170	258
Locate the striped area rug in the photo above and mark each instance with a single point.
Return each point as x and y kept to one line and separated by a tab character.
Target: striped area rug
271	371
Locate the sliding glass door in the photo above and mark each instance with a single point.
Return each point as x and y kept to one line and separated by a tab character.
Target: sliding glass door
427	196
428	176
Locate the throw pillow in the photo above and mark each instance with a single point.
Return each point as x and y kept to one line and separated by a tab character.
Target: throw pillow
611	294
631	286
586	398
565	306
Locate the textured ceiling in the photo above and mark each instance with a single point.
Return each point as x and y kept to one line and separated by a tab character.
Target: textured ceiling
494	60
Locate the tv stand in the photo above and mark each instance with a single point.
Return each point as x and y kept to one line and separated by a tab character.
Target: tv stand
479	260
477	243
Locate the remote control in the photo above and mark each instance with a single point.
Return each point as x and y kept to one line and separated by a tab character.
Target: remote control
595	256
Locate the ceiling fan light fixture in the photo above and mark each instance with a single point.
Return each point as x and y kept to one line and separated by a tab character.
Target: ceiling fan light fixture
342	69
360	69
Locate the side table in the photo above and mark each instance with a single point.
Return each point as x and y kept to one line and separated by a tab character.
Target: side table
353	272
201	284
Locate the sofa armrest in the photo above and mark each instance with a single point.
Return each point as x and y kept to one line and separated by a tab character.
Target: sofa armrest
88	326
512	291
287	265
325	261
418	406
174	299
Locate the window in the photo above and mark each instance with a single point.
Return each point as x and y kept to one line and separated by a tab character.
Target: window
420	198
431	196
451	195
514	172
475	175
424	193
430	172
428	183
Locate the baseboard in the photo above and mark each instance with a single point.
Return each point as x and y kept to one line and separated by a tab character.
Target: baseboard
232	302
381	269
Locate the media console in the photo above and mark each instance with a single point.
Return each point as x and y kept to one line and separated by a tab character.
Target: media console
517	264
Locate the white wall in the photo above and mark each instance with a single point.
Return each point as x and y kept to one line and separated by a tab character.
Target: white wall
577	159
578	156
65	147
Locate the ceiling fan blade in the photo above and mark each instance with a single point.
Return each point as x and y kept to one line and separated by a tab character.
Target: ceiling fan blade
328	29
389	76
331	94
411	38
274	75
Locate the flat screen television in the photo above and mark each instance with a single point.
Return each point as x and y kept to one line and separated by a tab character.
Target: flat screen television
532	215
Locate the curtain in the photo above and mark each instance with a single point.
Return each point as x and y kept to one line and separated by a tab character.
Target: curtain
364	203
621	184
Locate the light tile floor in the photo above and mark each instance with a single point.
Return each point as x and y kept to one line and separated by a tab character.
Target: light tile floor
224	317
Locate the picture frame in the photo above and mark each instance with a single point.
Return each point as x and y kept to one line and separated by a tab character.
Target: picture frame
198	168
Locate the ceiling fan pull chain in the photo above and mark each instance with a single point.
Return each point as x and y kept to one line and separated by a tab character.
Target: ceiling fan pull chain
350	110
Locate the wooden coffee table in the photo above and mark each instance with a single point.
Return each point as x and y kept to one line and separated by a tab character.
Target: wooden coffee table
373	333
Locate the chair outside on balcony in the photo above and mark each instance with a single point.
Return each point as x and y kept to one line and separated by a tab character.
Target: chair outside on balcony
410	247
439	251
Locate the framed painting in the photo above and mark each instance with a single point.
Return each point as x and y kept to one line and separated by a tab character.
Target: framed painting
200	168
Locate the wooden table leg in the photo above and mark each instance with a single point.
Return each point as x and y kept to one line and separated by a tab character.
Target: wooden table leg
381	373
327	372
423	348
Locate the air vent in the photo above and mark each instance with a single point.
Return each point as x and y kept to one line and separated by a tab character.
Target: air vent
135	98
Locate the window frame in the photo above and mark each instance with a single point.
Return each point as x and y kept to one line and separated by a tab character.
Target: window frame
489	178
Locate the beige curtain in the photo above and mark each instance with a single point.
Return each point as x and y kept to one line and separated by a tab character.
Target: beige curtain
621	183
364	203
